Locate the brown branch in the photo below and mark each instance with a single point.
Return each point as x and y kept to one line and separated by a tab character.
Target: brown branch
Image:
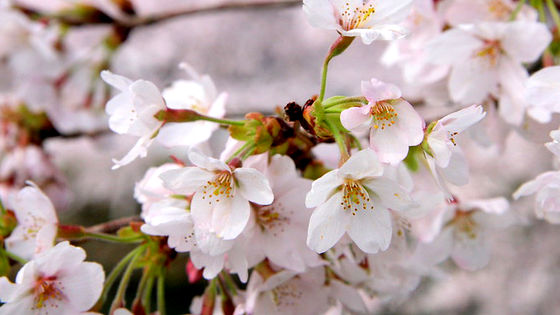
112	226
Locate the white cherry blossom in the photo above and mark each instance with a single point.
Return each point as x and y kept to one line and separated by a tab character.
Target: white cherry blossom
487	59
221	195
151	189
199	94
546	186
37	223
475	11
355	199
543	94
57	281
446	160
393	122
132	112
369	19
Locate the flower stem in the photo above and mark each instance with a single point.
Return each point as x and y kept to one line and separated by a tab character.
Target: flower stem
238	151
515	12
161	293
554	12
112	238
13	256
146	275
229	283
147	296
338	137
222	121
338	47
345	100
119	296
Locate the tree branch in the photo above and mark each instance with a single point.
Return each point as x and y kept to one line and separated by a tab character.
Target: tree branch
112	226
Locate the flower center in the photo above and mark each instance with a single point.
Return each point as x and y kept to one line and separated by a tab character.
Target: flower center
269	218
384	115
47	293
218	189
465	224
355	197
355	17
490	52
499	9
287	295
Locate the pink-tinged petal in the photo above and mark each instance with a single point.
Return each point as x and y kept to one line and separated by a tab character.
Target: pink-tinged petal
348	295
460	120
376	90
493	205
371	229
390	12
327	224
409	122
115	80
185	134
391	194
452	47
140	149
322	189
471	253
472	80
45	238
186	180
63	258
21	306
253	186
209	243
83	287
390	144
230	218
7	290
512	102
436	251
525	41
355	117
320	14
457	172
362	164
237	263
537	184
31	202
206	162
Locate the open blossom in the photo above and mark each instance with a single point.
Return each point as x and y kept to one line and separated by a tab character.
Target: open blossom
369	19
543	94
487	59
474	11
132	112
199	94
447	161
394	124
57	281
37	223
151	189
461	230
221	195
355	199
280	229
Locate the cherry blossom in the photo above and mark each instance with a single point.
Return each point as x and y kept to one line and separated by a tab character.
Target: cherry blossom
37	223
354	199
369	19
394	124
446	160
199	94
55	281
486	60
132	112
221	195
473	11
151	188
543	93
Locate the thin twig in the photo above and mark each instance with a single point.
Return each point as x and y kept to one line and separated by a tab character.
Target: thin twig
112	226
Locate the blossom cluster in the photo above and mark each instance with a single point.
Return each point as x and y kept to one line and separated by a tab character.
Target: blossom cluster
347	201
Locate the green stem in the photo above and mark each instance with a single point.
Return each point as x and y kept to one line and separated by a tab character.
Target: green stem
515	12
249	151
324	71
13	256
113	238
540	7
161	293
238	151
554	12
230	283
339	108
2	209
356	141
147	296
119	297
353	99
338	137
146	275
222	121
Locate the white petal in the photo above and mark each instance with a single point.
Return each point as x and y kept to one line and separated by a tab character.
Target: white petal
457	172
525	41
7	289
206	162
253	186
140	149
186	180
115	80
375	90
371	229
353	118
471	253
83	287
185	134
391	194
472	80
327	224
230	218
452	47
460	120
360	165
322	189
390	143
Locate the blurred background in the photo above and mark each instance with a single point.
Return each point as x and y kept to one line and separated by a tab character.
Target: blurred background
263	57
